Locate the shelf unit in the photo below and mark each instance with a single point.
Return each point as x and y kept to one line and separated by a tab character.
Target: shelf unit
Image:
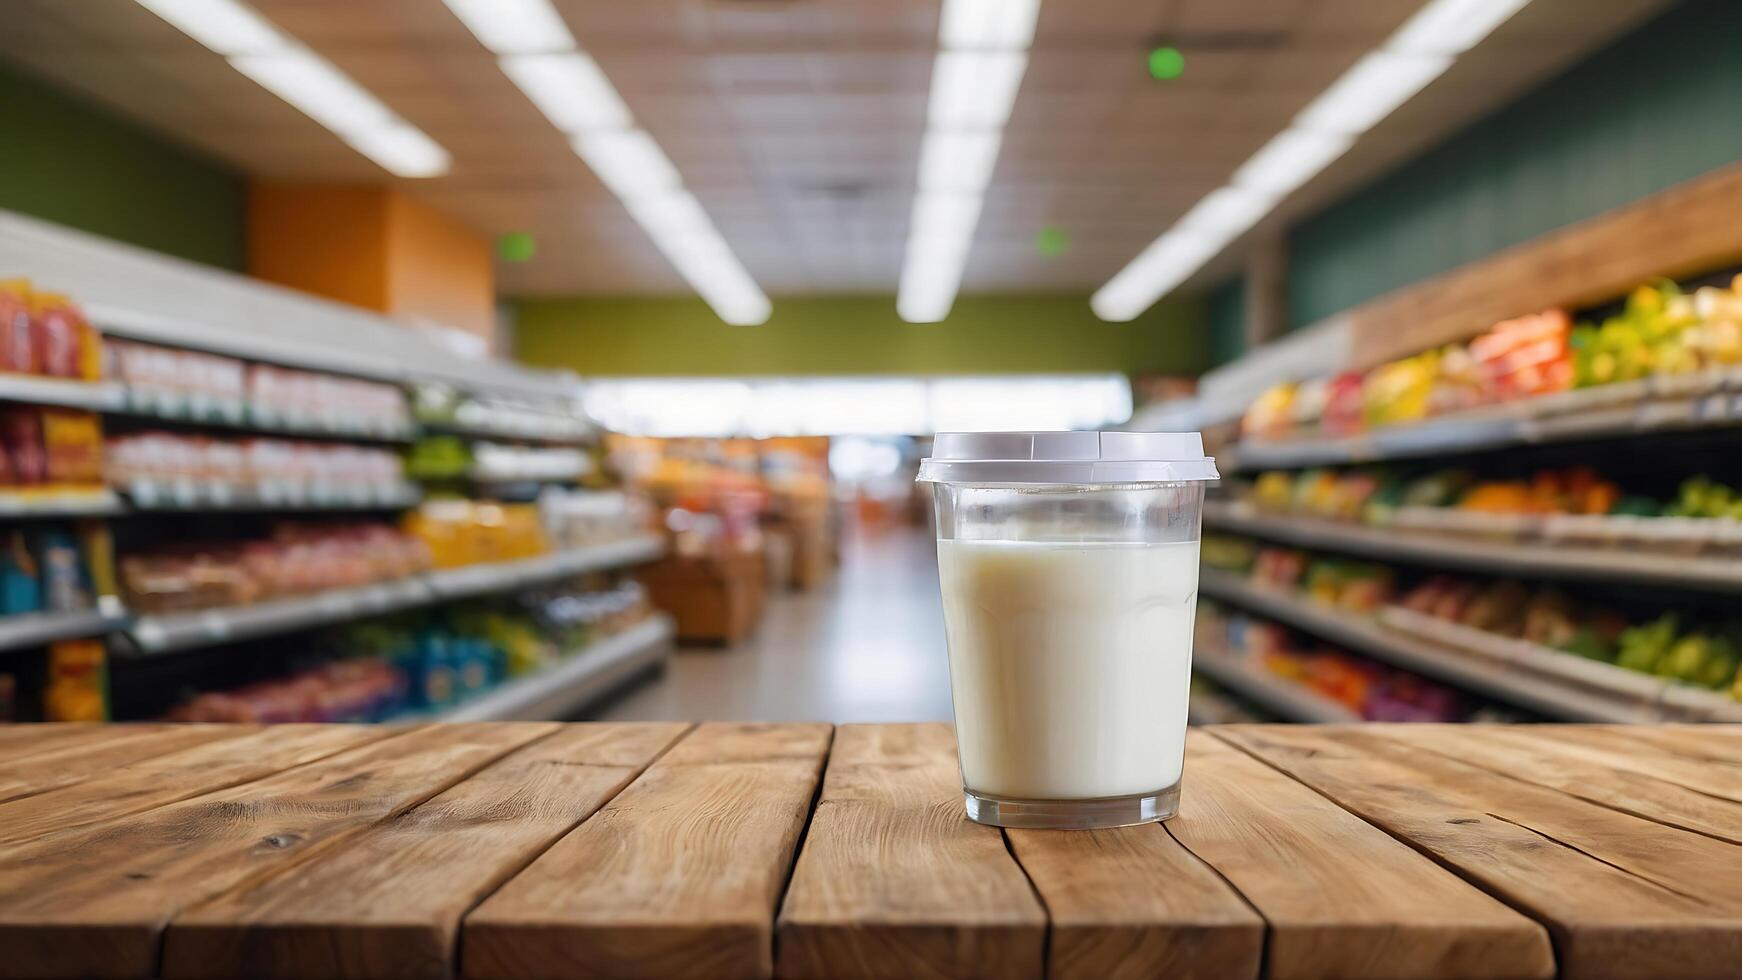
188	496
97	502
40	628
1551	697
1290	701
1476	554
562	689
96	396
172	632
1606	412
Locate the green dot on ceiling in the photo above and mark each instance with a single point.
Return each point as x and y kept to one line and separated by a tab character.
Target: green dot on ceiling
516	246
1166	63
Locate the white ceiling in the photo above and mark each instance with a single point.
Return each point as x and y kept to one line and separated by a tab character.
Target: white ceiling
797	122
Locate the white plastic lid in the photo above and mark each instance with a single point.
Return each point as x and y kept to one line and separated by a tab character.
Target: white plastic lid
1067	457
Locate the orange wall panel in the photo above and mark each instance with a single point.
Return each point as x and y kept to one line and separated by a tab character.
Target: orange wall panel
375	248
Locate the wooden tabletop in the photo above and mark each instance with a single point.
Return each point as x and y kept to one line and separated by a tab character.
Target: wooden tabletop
732	850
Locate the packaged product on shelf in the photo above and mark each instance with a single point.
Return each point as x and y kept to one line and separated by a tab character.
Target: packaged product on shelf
65	344
168	464
585	518
72	447
53	568
77	682
17	349
20	577
465	532
340	691
21	427
295	560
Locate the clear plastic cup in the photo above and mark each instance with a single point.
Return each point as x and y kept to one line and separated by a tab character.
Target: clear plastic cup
1069	568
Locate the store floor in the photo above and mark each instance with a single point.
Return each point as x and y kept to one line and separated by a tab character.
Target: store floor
867	646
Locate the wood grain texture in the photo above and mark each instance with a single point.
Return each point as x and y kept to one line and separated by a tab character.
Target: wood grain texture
22	742
94	901
76	763
1134	903
1352	902
1693	227
678	876
895	881
147	783
1623	896
1630	786
387	902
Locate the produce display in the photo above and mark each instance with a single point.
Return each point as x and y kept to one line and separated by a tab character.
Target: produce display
1705	656
163	464
1374	691
399	668
1660	333
295	559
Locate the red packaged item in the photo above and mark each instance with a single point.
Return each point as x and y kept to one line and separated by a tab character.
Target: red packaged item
1345	406
17	352
56	331
21	428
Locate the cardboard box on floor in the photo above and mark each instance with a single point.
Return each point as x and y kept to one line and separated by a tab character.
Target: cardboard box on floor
714	600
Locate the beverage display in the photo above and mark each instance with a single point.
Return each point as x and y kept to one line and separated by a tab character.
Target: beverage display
1068	563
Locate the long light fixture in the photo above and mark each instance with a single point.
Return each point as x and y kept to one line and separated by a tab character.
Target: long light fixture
1374	87
983	53
307	81
538	54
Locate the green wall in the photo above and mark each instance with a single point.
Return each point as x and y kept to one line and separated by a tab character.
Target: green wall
856	335
1227	322
70	162
1655	108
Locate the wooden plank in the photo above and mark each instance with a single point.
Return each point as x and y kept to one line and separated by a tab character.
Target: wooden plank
76	763
894	881
1628	783
1342	898
24	741
1693	227
94	901
1622	896
1719	745
388	901
1134	903
678	876
153	782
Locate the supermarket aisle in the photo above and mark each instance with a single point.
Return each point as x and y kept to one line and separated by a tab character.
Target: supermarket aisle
869	646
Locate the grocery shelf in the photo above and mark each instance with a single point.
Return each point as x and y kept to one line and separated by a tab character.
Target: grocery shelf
1291	701
100	502
232	415
560	690
171	632
1631	565
470	580
1611	411
579	435
1552	697
189	495
98	396
39	628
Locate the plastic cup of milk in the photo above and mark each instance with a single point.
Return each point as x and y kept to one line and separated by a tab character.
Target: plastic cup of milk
1069	568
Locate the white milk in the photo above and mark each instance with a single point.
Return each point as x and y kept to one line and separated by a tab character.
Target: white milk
1069	664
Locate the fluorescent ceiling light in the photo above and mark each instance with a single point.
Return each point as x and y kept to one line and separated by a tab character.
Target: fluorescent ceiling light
225	26
1290	159
628	161
951	160
1226	213
325	94
1368	92
401	150
673	215
680	229
974	89
943	220
569	89
514	26
1452	26
1167	262
931	274
989	25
